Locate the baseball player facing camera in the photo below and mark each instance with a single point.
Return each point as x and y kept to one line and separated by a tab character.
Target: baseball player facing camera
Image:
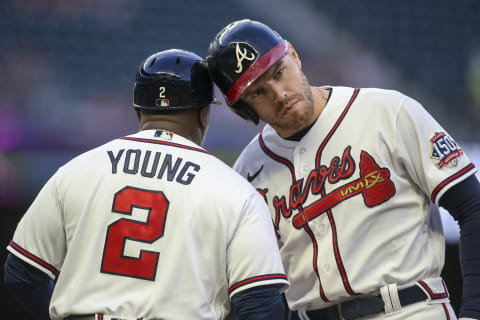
353	179
151	225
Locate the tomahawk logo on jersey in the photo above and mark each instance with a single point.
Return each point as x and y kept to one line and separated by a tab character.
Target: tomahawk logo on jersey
374	185
340	195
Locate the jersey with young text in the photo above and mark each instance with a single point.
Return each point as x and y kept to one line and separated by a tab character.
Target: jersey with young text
354	201
149	226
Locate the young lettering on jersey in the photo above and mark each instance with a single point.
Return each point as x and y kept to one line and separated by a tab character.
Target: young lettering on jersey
153	165
139	212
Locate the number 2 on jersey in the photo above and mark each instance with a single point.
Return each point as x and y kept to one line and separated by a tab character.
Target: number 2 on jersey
144	267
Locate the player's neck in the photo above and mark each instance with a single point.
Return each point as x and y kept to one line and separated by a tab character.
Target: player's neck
320	98
172	126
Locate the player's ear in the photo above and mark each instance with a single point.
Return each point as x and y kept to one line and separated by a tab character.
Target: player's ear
204	116
294	54
137	111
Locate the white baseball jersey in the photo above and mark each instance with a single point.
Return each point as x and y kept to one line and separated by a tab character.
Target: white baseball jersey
353	200
149	226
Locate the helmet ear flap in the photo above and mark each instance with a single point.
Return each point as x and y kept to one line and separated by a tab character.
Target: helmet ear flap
243	110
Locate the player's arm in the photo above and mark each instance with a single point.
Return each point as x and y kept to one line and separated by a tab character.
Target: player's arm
254	267
263	302
463	202
31	287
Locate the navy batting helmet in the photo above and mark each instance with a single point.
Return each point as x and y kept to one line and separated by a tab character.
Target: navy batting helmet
173	80
238	55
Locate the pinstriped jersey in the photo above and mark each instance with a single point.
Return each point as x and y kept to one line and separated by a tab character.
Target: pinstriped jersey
149	226
355	200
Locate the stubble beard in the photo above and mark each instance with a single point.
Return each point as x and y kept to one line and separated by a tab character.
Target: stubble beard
303	116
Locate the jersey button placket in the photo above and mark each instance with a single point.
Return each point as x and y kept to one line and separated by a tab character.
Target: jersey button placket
305	169
321	228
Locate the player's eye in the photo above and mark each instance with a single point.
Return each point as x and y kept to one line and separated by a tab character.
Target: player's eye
256	93
279	72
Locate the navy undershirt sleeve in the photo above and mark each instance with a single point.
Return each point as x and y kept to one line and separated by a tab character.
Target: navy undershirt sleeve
463	202
30	287
264	302
33	290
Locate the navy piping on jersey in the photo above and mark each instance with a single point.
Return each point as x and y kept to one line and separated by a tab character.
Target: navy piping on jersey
433	295
282	160
338	258
447	314
171	144
256	279
290	166
334	128
276	157
462	172
33	257
315	266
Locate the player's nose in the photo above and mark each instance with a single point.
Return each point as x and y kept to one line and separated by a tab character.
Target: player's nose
278	92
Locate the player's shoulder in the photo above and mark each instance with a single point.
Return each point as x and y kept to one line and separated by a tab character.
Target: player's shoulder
221	177
343	94
381	93
374	92
249	156
85	160
389	100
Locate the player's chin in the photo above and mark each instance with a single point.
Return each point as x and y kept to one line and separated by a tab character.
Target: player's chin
290	125
298	119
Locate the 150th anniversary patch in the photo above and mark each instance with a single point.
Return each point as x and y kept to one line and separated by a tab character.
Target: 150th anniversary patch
445	150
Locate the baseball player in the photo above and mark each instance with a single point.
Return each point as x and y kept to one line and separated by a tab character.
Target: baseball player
353	178
151	225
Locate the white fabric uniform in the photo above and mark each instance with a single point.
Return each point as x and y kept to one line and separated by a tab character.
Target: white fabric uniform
377	160
149	226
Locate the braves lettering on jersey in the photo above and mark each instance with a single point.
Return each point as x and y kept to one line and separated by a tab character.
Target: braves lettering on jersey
149	226
354	213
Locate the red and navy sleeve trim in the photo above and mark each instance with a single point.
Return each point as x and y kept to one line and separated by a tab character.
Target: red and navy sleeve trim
171	144
33	258
275	276
460	173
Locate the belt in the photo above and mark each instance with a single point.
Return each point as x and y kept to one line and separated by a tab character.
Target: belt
361	307
83	317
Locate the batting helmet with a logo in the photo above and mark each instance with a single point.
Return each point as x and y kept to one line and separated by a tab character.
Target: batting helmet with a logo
238	55
173	80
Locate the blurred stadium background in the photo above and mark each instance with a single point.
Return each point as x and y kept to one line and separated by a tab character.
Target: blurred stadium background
69	66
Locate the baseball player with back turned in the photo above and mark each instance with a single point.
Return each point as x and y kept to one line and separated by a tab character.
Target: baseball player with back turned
353	179
151	225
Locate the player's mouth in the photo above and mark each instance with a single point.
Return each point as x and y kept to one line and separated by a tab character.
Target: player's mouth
290	107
